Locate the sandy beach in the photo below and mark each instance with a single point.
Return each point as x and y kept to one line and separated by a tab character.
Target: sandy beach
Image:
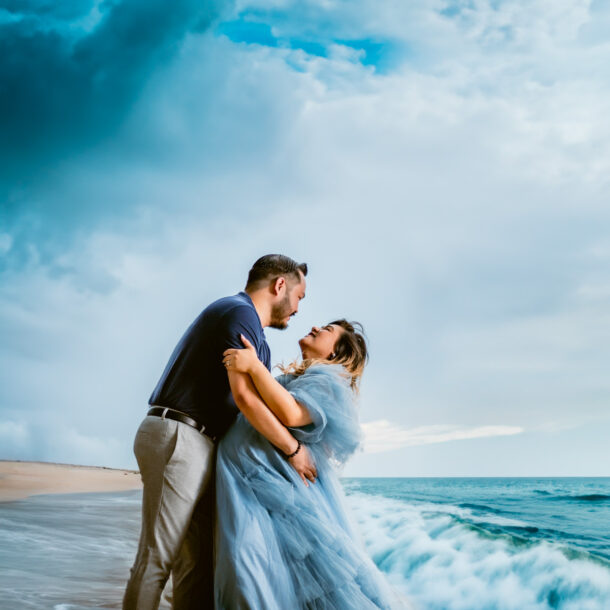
20	480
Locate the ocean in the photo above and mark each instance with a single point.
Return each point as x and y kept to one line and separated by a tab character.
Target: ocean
487	544
446	544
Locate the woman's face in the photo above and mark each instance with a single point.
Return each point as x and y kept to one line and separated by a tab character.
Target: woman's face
321	341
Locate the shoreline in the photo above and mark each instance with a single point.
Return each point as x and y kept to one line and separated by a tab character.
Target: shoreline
22	479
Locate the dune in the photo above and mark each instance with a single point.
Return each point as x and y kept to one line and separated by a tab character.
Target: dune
20	480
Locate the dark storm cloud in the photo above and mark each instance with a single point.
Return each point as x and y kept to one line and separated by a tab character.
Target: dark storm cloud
48	8
66	87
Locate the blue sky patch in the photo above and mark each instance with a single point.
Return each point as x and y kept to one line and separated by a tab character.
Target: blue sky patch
251	32
383	55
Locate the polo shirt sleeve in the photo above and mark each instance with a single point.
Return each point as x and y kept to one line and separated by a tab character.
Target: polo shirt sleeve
239	320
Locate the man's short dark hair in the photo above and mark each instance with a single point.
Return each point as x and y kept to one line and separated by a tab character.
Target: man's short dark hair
272	266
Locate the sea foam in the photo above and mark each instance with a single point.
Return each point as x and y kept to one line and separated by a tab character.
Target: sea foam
439	557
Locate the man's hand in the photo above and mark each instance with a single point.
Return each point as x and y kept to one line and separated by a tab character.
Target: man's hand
303	463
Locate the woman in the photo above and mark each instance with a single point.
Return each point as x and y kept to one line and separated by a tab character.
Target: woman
282	545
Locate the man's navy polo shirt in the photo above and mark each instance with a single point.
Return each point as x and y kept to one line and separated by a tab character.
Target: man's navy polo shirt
195	380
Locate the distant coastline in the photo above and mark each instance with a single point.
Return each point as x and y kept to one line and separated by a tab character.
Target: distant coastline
20	479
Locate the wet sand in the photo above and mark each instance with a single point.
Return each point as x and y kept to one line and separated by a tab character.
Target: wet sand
20	480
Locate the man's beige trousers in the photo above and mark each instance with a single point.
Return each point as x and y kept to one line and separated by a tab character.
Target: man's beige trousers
177	467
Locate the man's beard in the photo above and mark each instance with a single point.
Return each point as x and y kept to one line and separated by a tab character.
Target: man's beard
279	312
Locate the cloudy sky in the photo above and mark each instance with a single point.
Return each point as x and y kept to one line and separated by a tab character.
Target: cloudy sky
443	168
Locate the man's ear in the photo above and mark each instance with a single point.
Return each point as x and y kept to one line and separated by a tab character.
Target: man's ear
280	282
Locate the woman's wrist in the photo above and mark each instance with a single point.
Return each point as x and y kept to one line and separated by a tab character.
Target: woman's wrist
256	368
298	448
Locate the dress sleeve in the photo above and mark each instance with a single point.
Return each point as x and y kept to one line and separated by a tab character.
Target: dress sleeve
325	392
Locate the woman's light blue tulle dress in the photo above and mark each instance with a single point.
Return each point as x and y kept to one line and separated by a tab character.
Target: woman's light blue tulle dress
281	545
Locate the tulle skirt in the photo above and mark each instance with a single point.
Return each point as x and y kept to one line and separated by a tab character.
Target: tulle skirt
281	545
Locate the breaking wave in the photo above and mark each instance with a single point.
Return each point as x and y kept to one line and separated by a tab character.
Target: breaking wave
447	557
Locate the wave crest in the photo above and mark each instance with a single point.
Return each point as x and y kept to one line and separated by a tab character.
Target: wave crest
442	559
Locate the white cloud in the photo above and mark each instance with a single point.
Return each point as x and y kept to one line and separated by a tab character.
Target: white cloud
456	206
382	435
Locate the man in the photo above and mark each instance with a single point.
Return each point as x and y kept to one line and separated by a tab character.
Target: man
193	405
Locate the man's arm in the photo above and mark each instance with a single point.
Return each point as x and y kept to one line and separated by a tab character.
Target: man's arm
264	421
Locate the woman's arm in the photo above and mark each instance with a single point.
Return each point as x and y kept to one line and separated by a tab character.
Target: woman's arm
276	396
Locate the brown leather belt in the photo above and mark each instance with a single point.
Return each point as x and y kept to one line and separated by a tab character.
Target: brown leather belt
167	413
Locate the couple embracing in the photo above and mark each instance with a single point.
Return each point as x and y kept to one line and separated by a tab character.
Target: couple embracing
242	504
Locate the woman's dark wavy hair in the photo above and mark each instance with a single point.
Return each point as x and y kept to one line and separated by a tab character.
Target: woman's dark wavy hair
350	351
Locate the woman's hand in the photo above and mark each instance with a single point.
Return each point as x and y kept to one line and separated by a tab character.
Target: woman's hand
241	360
